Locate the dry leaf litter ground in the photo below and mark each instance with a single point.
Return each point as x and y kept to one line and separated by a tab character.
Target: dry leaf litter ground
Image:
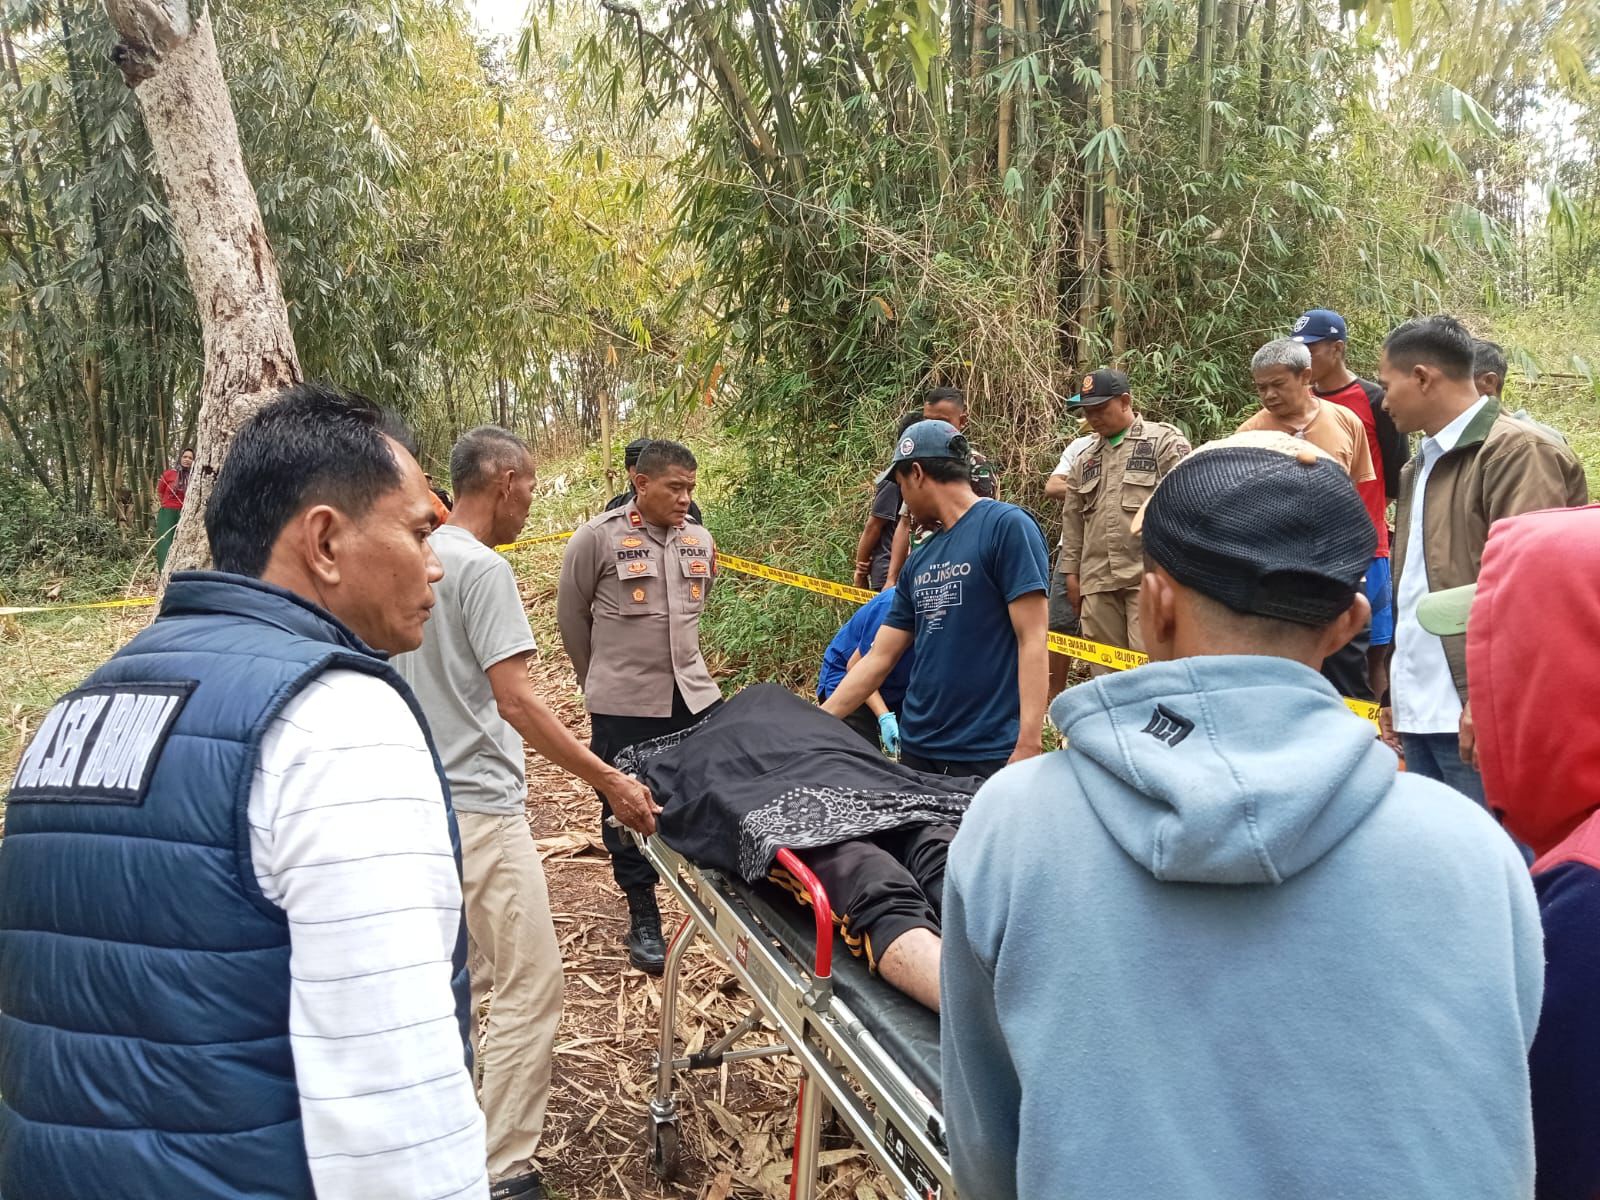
737	1122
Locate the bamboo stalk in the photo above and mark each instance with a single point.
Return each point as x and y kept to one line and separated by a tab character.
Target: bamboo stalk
1205	36
1106	29
1006	49
1269	47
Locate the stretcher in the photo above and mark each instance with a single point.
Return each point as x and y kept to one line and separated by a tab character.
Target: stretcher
868	1053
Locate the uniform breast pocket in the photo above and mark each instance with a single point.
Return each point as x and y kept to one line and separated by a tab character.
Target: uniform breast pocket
641	586
694	577
1089	494
1136	488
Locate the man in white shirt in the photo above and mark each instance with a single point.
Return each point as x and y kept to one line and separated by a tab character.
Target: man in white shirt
1476	464
247	974
471	677
1063	617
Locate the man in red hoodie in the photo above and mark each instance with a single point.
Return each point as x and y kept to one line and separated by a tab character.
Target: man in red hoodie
1538	747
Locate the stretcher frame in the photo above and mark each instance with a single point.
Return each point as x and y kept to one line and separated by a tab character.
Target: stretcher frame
844	1066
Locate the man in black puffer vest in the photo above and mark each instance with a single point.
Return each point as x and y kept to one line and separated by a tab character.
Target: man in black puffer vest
232	960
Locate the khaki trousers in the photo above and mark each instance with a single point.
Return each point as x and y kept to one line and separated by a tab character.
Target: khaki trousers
514	953
1112	618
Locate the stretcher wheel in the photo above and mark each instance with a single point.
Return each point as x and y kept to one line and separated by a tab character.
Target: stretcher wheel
665	1150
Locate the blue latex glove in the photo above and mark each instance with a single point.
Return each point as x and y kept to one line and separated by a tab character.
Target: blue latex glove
889	734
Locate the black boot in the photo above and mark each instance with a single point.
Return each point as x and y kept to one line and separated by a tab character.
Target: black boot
523	1187
646	950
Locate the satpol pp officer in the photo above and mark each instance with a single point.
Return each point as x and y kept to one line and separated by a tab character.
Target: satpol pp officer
634	582
1101	556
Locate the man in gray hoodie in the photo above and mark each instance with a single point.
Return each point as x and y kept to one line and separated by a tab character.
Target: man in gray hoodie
1218	947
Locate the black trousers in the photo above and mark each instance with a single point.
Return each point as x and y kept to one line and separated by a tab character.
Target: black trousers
881	887
982	769
609	737
864	723
1346	668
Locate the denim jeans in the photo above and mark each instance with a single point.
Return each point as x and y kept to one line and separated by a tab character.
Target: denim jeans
1438	756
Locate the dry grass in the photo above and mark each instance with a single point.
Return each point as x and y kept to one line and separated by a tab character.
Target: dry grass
44	656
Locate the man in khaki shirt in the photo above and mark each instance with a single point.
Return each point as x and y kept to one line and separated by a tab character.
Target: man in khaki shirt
634	582
1101	557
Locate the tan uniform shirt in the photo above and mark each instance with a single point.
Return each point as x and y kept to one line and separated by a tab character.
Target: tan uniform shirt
629	606
1105	488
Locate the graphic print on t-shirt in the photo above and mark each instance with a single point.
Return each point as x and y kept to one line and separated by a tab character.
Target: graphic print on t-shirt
937	589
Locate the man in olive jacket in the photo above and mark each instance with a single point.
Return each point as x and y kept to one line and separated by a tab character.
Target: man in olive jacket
1476	464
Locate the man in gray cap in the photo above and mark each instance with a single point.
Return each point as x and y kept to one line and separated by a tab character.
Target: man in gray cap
972	598
1222	900
1100	554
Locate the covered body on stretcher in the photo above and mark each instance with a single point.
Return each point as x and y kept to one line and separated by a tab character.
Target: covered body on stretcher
767	791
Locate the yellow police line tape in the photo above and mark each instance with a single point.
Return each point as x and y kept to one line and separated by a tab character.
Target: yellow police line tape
129	602
1115	657
534	541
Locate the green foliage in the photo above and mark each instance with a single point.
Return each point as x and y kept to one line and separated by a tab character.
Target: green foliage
445	245
49	552
878	203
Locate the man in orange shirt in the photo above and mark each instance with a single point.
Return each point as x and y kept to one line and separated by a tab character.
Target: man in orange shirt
1282	373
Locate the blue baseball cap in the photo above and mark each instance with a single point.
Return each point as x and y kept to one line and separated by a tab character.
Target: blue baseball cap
1318	325
931	439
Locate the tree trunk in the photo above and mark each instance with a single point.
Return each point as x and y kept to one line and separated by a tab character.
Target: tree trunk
170	61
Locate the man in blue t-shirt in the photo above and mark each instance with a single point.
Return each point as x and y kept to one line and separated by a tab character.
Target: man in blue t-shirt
972	599
878	720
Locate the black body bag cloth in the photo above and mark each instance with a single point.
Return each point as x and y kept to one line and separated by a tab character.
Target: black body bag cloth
768	770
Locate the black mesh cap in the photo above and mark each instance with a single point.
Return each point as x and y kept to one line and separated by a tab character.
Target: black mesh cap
1263	532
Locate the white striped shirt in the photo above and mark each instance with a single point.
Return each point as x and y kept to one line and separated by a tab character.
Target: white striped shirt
348	836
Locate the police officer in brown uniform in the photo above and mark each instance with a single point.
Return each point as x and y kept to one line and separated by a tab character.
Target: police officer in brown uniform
1101	557
633	585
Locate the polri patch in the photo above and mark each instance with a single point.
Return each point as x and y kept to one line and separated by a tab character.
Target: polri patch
100	744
